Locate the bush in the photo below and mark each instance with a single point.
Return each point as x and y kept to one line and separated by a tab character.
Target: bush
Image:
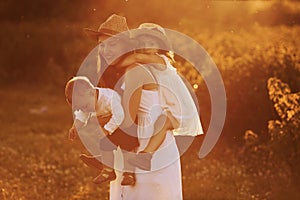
246	59
33	53
275	163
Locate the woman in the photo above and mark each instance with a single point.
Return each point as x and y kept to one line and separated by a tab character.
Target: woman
110	74
141	101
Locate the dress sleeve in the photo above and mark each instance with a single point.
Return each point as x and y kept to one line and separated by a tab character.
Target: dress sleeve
178	100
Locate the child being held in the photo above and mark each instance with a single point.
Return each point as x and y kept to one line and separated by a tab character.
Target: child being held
180	114
89	101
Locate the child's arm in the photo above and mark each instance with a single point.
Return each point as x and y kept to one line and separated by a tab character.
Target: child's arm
73	134
161	126
117	116
141	58
80	120
99	121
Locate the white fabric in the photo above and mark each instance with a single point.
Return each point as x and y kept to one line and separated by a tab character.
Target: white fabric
82	116
176	98
164	181
108	103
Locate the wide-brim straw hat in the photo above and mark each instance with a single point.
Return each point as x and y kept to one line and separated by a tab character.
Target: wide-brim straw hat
153	30
114	25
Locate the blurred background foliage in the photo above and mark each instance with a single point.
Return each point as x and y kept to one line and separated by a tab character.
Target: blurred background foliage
43	42
255	45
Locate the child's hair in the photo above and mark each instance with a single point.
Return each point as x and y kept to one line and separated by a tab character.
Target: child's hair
80	83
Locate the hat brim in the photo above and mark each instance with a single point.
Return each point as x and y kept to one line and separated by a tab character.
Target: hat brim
94	35
140	32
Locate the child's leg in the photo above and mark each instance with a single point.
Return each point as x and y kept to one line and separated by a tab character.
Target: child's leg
107	159
128	174
161	126
127	155
92	161
143	159
106	150
108	172
128	144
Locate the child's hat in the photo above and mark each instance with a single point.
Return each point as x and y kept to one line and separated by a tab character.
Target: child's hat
153	30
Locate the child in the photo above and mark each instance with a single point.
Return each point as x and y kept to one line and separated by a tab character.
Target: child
180	114
89	101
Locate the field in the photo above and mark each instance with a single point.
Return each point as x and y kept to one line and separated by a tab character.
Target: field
257	54
38	161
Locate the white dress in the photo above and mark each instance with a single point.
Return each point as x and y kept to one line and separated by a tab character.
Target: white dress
164	181
176	98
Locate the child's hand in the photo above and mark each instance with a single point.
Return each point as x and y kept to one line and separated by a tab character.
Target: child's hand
143	59
73	134
129	60
106	132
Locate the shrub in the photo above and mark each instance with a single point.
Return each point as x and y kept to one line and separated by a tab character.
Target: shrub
275	163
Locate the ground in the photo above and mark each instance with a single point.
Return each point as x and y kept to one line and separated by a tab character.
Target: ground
37	161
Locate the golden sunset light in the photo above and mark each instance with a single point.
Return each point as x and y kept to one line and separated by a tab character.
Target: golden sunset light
151	100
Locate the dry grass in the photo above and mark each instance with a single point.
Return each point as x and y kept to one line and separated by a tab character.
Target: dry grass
38	162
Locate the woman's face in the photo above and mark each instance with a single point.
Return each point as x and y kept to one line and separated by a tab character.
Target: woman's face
111	49
151	43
